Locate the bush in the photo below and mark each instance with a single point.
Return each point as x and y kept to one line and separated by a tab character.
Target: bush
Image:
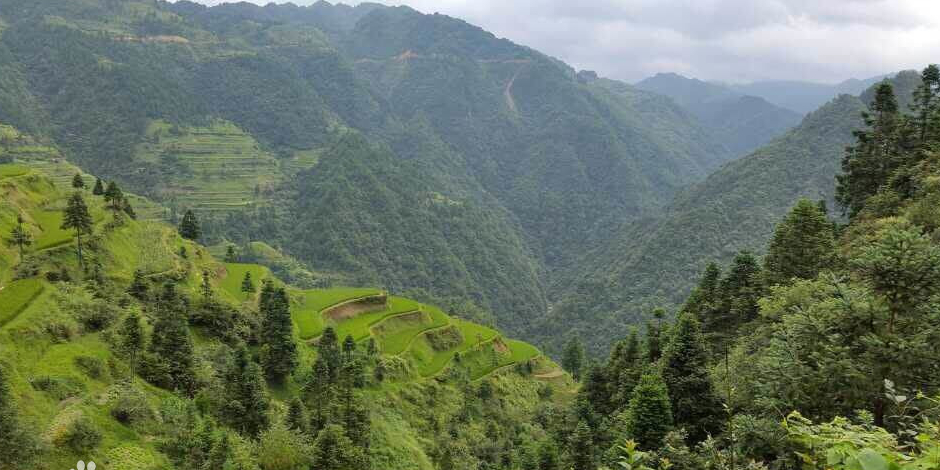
61	331
59	388
82	435
97	316
92	366
132	407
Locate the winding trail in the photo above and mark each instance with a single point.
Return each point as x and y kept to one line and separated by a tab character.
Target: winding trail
507	92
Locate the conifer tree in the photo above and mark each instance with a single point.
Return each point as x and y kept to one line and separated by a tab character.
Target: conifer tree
78	182
573	359
206	286
328	348
132	337
581	448
189	226
297	418
650	412
219	453
349	347
875	155
114	197
739	291
139	287
230	256
128	208
170	355
704	298
248	402
926	105
280	352
333	450
99	188
596	389
623	370
695	405
77	218
548	458
803	245
318	392
248	286
19	236
654	349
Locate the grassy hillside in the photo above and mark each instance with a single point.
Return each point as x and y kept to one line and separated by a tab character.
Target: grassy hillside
60	325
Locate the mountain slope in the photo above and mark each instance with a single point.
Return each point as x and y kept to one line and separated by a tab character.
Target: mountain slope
231	110
742	122
653	262
803	97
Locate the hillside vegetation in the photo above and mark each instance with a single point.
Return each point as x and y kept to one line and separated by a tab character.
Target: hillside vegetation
87	363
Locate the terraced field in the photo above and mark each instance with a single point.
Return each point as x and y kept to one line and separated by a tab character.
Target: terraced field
235	274
15	297
421	333
216	168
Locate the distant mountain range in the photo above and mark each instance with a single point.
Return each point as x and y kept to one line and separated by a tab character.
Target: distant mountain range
803	97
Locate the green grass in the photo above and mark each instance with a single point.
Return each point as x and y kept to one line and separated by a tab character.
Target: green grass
429	362
359	326
9	170
396	336
15	297
232	283
52	233
307	311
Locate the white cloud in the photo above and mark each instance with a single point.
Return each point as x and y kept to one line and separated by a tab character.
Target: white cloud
730	40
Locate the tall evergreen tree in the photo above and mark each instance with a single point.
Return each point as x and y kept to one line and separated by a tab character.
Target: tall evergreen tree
333	450
132	337
695	405
297	417
114	197
704	298
99	188
279	355
649	412
128	208
78	182
596	390
875	155
926	105
248	286
328	349
170	355
581	448
230	256
624	370
739	291
247	402
803	245
654	349
139	287
573	359
206	285
77	218
189	226
19	236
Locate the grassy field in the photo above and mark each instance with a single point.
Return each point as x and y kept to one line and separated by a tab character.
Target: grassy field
10	170
52	233
395	336
235	274
306	311
15	297
359	326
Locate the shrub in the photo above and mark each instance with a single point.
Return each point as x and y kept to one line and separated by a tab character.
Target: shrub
59	388
97	316
132	407
82	435
92	366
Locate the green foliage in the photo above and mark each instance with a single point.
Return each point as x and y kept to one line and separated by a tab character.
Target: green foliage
573	360
189	226
649	412
685	372
803	245
246	405
279	353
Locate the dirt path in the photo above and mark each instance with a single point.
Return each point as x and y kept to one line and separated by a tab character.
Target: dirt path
507	92
550	375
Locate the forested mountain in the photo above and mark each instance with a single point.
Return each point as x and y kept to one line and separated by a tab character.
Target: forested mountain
742	122
803	97
653	262
240	112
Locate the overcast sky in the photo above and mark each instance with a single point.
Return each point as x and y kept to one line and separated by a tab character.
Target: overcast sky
727	40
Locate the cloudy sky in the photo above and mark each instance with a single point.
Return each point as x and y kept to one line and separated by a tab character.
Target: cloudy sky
728	40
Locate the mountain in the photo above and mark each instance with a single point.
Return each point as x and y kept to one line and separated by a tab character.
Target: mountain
654	262
88	387
803	97
355	139
742	122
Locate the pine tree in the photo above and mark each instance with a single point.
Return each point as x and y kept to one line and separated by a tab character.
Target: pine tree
333	450
99	188
280	352
704	298
318	392
623	370
875	155
803	245
695	405
139	287
654	348
77	218
349	347
248	286
328	348
206	286
230	256
548	458
248	402
297	418
581	448
739	291
114	197
219	453
78	182
596	390
649	412
170	355
20	237
132	337
926	105
189	226
573	359
128	208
